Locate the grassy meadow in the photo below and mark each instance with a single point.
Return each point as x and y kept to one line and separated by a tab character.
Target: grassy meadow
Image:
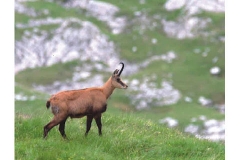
125	136
127	132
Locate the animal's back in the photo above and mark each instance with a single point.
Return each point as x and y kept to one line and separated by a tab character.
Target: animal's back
78	103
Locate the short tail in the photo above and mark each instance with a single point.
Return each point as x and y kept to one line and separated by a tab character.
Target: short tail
48	104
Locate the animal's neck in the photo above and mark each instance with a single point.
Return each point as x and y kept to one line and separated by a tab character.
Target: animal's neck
108	88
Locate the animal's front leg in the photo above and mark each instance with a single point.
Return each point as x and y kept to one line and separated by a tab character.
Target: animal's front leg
99	124
61	128
89	123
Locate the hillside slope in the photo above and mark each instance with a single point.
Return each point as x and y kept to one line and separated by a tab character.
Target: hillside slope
125	136
76	44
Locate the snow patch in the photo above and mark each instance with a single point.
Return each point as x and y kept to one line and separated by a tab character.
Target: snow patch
171	122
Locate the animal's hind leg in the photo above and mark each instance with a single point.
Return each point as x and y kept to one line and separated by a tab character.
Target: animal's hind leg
62	127
89	123
50	125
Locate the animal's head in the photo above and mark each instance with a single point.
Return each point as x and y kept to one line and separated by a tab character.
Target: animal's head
116	80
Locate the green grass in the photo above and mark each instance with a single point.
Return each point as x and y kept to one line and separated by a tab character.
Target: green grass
47	75
55	10
217	24
190	71
134	5
125	136
182	111
127	133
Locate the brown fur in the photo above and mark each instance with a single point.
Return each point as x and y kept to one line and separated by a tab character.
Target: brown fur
90	102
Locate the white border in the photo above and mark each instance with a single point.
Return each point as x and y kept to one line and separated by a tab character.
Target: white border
232	79
7	79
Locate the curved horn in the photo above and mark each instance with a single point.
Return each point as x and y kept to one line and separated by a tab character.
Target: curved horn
121	68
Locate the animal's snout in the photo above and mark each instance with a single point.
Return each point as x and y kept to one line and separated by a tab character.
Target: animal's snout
125	86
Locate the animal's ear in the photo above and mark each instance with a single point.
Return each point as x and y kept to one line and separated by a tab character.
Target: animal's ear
115	72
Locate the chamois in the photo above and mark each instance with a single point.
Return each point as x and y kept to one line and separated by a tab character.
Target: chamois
90	102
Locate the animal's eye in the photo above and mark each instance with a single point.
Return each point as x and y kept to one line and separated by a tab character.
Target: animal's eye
118	79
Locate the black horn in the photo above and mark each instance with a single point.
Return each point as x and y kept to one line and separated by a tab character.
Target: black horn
121	68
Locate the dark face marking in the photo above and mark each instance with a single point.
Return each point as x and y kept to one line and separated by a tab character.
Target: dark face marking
120	82
116	78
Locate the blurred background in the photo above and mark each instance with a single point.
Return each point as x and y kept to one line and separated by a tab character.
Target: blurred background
173	50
